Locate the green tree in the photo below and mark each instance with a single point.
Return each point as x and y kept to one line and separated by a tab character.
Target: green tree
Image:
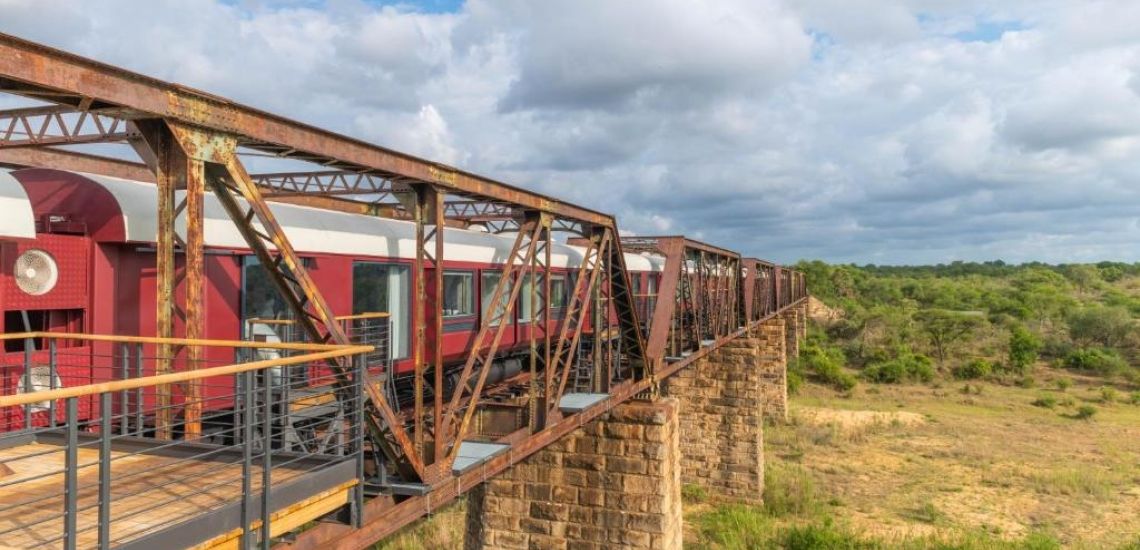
1023	348
1083	275
946	329
1105	326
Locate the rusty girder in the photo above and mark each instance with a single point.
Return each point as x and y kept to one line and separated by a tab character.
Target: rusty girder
698	299
194	141
56	125
46	74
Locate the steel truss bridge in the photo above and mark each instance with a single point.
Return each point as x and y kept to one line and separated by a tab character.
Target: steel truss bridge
119	480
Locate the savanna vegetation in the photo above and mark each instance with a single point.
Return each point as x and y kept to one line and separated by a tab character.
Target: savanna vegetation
962	406
958	406
972	321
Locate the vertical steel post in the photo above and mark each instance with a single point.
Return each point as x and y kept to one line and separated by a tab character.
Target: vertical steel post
266	458
437	324
168	181
140	402
105	436
71	474
195	291
246	384
29	345
52	371
358	439
124	406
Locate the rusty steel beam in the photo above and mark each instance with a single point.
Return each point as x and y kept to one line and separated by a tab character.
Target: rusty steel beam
55	125
60	159
47	74
384	516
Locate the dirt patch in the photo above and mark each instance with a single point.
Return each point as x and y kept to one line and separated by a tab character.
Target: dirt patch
857	420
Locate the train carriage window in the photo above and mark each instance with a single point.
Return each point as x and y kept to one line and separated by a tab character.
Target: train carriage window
526	312
557	301
487	282
384	288
458	294
558	292
259	298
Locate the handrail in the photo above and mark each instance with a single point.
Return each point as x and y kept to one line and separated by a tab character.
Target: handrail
354	317
176	341
176	377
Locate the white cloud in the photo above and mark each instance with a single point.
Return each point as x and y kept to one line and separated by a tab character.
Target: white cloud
885	131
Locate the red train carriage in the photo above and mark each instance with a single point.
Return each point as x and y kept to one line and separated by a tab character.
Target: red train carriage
78	255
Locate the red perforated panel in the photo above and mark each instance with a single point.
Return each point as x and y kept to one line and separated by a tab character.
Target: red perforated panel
71	254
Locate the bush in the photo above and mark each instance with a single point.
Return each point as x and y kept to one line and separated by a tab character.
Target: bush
822	535
978	368
1026	382
1134	398
825	365
1023	348
736	526
692	493
795	376
1107	395
1063	384
904	368
1045	402
788	490
1106	326
1085	412
1096	360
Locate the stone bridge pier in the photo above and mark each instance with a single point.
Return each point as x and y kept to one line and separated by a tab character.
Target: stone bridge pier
616	481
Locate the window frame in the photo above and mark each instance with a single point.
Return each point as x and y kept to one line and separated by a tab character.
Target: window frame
473	302
506	298
406	325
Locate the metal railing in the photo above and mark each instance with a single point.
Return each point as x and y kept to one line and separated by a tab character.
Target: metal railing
365	329
83	464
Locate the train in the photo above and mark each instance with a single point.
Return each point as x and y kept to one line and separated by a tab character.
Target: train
79	256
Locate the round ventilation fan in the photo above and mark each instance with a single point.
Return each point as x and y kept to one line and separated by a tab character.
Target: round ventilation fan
36	272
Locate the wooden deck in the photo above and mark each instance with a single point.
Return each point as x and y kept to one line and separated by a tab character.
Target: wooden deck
149	493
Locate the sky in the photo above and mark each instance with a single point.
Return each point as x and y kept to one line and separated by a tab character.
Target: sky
867	131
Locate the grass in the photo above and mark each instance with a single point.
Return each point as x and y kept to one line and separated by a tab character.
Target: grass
993	466
1074	482
923	467
442	530
693	494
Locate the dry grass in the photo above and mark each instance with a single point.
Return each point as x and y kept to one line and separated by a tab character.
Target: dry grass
924	467
442	531
987	461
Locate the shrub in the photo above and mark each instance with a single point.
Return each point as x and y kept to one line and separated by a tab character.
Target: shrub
927	512
1106	326
788	489
1026	382
1108	395
795	376
736	526
822	535
1063	384
1085	412
825	365
692	493
1134	398
1097	360
1045	402
978	368
906	367
1023	348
